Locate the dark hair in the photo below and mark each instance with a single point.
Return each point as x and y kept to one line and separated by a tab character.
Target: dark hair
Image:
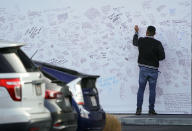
151	30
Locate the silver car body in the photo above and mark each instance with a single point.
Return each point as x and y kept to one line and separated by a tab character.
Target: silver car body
31	106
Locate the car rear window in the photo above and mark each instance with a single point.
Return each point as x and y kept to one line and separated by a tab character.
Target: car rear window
88	82
15	61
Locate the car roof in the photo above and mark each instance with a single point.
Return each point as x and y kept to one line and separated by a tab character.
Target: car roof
5	44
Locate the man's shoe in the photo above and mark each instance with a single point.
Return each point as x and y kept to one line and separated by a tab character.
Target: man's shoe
152	112
138	111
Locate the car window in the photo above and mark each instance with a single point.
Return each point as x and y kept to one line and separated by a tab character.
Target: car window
88	83
10	63
30	67
5	67
13	60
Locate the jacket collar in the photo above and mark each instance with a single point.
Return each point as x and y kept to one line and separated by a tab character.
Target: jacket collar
150	36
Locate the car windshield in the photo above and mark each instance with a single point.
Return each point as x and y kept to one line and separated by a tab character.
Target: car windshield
13	60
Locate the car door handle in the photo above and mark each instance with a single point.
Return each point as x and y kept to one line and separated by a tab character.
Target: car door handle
34	82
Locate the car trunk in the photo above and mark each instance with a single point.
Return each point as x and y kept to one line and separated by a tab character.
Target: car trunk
90	94
33	92
67	98
64	101
87	84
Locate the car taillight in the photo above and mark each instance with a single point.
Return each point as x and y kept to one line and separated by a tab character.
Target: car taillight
50	94
80	103
79	94
13	85
57	125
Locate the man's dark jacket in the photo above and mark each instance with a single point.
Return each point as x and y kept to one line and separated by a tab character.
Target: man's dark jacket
151	51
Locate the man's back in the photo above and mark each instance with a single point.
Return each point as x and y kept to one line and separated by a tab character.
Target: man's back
150	51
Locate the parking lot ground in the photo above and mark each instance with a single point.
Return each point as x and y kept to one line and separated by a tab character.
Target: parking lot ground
162	122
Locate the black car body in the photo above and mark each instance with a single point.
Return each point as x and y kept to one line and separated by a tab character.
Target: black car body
58	100
91	116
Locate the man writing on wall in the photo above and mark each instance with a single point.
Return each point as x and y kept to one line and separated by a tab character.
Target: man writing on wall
151	52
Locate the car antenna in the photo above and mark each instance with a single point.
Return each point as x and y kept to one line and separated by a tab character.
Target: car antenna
34	54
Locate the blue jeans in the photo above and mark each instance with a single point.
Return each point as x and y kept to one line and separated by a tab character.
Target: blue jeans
150	75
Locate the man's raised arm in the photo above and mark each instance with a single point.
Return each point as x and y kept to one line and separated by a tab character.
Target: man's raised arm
135	37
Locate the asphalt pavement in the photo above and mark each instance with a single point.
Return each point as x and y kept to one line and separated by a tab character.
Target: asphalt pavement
163	122
156	128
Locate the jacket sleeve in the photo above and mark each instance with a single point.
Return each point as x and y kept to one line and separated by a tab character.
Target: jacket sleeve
135	39
161	52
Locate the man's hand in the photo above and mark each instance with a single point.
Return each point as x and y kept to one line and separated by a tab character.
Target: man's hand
136	28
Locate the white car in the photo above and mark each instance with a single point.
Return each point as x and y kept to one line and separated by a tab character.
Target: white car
22	92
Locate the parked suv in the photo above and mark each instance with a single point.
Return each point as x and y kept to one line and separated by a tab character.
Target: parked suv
86	98
58	99
22	92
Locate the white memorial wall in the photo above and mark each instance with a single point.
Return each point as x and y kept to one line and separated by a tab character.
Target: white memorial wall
95	37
